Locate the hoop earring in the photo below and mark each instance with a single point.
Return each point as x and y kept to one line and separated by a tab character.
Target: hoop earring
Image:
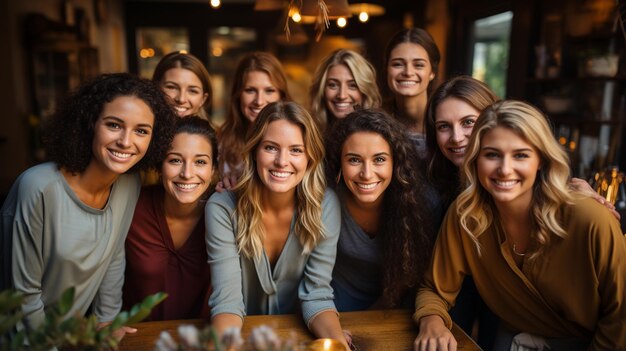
338	177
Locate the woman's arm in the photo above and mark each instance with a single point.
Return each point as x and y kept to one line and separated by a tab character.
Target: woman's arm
27	263
434	335
226	301
224	321
608	250
326	325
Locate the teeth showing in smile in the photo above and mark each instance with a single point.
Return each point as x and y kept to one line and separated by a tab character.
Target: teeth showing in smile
366	186
342	105
186	186
459	150
120	154
280	174
180	109
407	83
256	110
505	183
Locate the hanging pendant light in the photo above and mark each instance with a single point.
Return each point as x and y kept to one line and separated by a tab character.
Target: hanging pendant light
334	8
366	10
269	5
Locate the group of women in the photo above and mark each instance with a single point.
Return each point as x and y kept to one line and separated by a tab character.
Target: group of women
335	208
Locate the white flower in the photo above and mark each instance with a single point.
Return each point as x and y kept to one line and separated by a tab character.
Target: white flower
189	335
263	338
165	342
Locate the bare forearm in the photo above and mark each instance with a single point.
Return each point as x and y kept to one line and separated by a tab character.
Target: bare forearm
224	321
326	325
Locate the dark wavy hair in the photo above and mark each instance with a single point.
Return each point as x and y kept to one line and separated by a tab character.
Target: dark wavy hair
68	135
442	173
407	227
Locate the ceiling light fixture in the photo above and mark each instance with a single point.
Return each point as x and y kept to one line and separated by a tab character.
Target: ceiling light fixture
366	10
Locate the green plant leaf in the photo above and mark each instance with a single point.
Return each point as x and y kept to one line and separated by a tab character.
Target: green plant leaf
140	311
67	300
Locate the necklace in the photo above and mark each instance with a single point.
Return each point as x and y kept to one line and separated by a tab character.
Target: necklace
517	253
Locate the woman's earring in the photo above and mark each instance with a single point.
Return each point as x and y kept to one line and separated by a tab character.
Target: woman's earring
338	177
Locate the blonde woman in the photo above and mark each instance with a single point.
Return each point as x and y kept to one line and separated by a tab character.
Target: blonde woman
272	242
549	262
343	81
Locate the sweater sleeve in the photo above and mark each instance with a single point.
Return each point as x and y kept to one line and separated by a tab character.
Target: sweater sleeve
444	277
315	291
108	300
223	256
608	250
27	256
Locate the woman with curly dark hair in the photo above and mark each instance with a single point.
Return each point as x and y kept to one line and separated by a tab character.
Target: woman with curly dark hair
65	221
387	215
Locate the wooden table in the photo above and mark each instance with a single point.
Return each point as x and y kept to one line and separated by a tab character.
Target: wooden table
371	330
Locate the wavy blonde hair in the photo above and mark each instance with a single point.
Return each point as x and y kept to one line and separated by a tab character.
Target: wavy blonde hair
309	192
475	205
364	76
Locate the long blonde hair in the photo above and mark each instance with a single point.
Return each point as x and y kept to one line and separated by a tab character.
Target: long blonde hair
309	192
364	76
475	205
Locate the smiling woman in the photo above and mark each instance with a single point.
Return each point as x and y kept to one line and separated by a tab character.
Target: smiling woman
259	80
271	243
186	82
388	212
515	229
165	248
64	222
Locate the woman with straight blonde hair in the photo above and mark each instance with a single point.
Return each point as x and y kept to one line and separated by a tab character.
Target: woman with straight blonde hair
551	263
343	80
272	241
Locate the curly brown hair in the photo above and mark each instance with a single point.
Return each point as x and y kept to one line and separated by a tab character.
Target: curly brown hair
68	135
407	227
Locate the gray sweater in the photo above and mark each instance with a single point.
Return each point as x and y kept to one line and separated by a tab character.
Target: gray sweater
244	286
57	242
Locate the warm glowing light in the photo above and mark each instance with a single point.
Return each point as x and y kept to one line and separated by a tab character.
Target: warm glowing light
341	22
363	16
216	3
296	17
327	342
572	145
146	53
562	140
217	51
182	51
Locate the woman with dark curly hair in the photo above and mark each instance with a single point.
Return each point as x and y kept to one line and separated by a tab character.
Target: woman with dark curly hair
387	215
65	221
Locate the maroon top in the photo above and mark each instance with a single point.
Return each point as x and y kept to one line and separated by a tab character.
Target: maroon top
153	264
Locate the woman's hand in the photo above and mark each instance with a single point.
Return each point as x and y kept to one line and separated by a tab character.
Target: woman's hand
227	183
584	188
118	334
434	335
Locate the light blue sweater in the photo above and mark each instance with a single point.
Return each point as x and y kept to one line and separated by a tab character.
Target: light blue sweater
244	286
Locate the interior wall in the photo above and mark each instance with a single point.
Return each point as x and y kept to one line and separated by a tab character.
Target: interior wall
107	36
